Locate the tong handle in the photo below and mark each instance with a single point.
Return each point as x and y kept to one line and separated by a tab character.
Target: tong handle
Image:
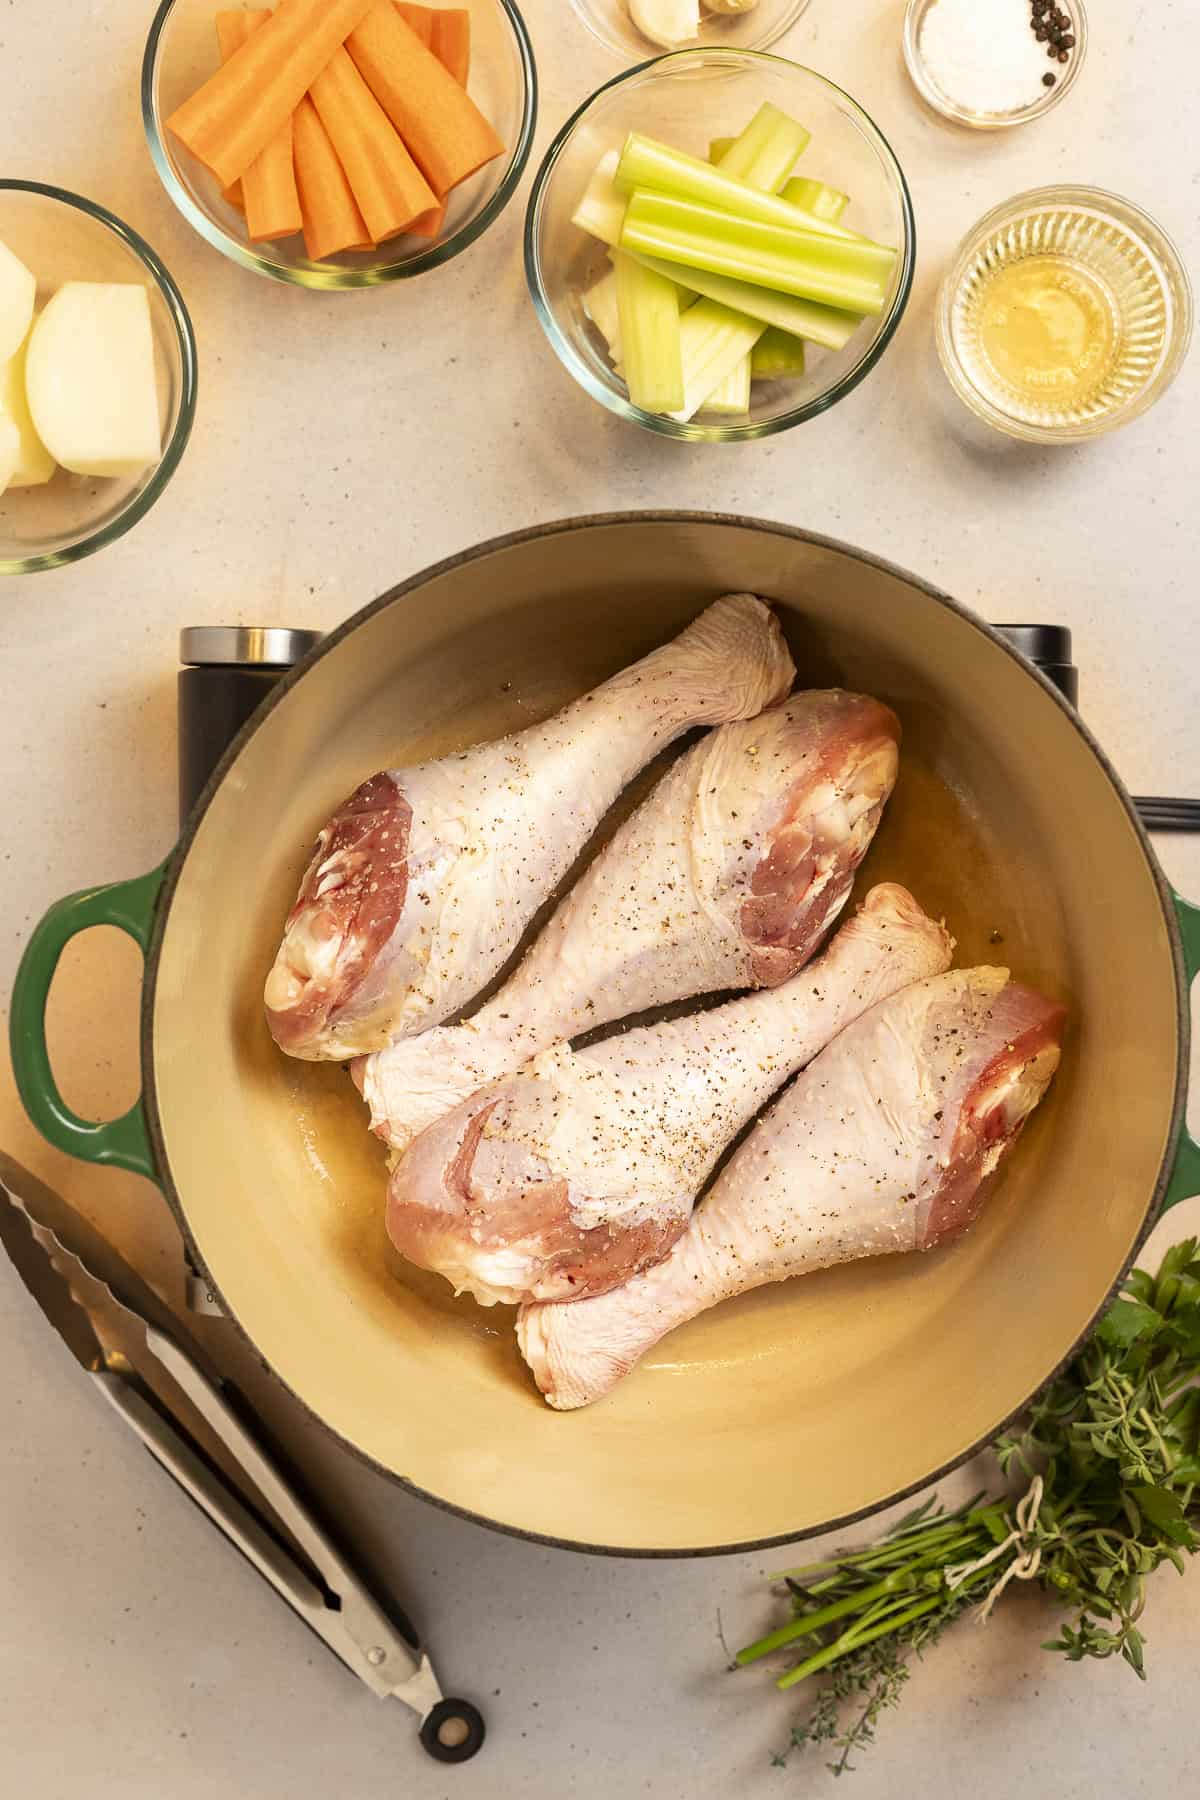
179	1457
359	1631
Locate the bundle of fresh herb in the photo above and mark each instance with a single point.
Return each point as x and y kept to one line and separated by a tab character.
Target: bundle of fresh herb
1108	1462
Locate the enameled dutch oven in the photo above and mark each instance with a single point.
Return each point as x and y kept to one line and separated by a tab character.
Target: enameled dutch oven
793	1408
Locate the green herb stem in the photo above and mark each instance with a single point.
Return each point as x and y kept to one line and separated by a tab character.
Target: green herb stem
807	1623
855	1641
1115	1439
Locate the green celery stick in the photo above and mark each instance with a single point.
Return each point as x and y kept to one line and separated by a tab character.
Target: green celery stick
822	202
600	305
651	352
852	275
777	353
763	154
824	325
602	208
732	397
686	294
645	163
718	147
713	341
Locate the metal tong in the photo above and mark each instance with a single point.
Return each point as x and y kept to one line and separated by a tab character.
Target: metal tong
157	1377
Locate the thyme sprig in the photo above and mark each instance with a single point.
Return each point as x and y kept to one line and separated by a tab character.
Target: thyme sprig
1115	1439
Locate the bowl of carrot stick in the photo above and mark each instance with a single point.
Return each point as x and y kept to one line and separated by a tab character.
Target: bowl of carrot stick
339	143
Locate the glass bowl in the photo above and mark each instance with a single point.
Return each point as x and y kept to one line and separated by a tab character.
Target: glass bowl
686	99
63	237
1119	265
181	52
1067	74
765	22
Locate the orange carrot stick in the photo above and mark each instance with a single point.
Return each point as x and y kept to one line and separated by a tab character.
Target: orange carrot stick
269	188
452	49
332	221
388	186
446	132
233	28
269	198
451	40
429	224
233	117
418	19
446	30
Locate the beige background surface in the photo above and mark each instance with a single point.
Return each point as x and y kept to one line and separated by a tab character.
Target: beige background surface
342	444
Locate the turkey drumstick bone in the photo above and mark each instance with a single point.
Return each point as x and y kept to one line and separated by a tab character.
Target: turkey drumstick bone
888	1142
563	1180
728	875
422	883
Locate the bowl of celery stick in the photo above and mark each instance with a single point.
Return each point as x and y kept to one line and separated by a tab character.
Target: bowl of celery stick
719	245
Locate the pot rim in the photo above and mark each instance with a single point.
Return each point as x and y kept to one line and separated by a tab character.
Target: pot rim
177	862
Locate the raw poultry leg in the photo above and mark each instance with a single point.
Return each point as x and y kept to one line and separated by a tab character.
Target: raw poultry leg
728	876
566	1178
420	886
888	1142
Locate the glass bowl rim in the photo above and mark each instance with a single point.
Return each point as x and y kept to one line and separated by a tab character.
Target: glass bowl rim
961	115
328	277
583	12
185	339
1104	201
674	428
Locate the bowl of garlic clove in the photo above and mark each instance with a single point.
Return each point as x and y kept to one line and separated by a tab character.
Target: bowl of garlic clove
97	377
636	29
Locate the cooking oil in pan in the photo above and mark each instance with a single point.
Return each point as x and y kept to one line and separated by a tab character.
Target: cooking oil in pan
1060	317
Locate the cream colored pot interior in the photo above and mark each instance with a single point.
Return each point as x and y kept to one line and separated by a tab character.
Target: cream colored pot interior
795	1406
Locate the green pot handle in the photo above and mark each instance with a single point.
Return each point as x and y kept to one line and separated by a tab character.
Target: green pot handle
123	1142
1185	1176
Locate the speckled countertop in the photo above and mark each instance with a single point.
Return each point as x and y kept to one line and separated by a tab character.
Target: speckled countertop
341	445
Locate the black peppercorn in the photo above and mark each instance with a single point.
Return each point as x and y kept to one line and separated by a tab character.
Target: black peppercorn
1040	33
1068	42
1049	80
1064	56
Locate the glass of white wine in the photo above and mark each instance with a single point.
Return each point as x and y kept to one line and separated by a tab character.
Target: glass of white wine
1066	313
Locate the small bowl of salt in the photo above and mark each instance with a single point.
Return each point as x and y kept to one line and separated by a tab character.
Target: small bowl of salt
988	64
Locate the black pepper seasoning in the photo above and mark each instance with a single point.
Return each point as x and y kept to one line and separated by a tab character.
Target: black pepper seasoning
1051	26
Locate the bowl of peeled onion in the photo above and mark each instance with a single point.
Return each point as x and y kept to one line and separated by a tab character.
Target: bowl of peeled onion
97	377
637	28
719	245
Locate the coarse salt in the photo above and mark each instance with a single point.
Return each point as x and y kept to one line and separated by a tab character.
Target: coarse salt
983	55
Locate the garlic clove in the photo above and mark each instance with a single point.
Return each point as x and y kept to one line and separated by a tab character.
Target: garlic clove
670	23
730	6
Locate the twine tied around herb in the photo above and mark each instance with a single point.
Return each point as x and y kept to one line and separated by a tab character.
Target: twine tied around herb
1024	1565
